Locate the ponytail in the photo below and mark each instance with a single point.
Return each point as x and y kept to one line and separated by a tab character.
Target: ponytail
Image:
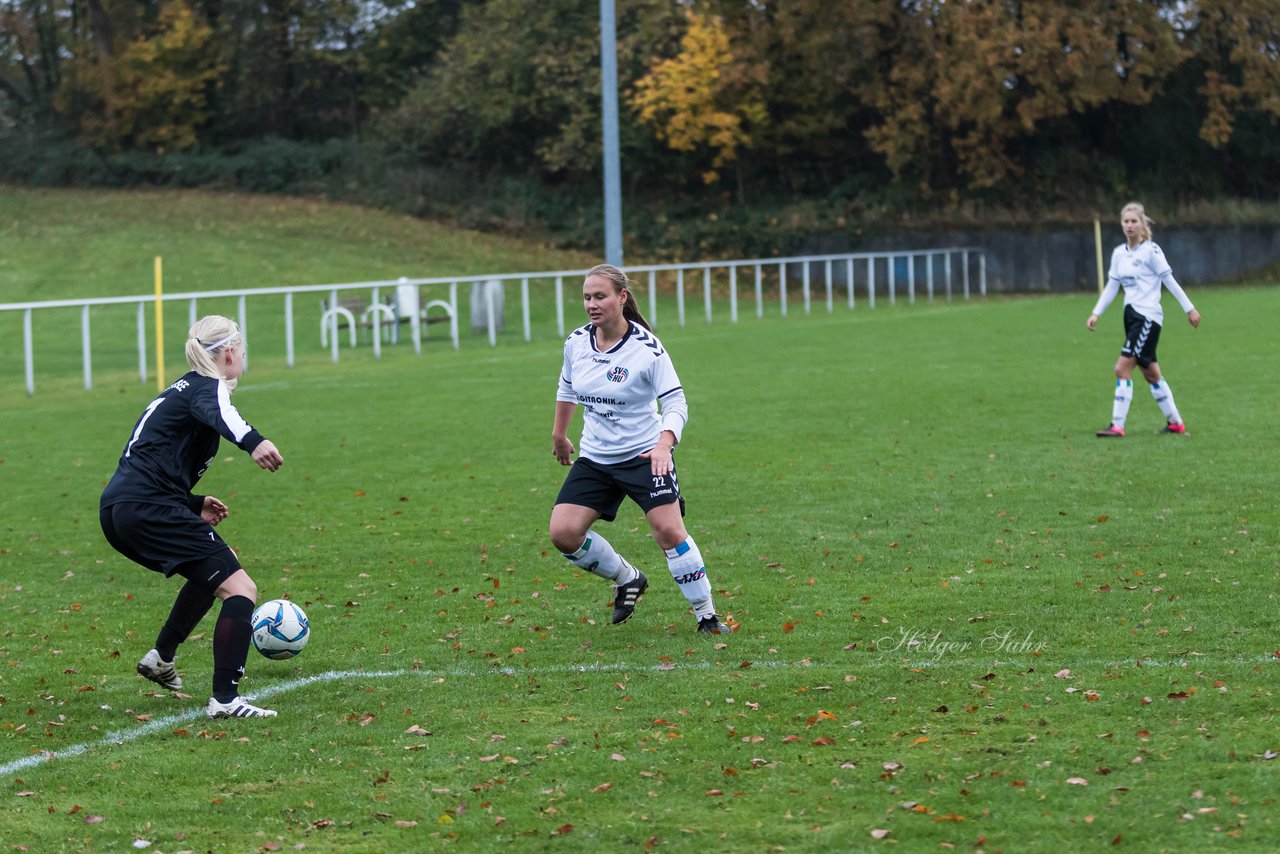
630	310
208	336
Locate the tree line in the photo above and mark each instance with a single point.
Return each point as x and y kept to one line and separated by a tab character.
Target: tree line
728	103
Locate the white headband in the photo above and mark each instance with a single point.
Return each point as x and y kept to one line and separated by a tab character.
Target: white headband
222	343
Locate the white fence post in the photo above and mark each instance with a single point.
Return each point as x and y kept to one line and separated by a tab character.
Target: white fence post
653	297
830	288
84	345
911	279
288	328
680	296
806	284
142	341
759	290
782	287
733	293
524	308
706	291
28	356
871	281
849	279
560	305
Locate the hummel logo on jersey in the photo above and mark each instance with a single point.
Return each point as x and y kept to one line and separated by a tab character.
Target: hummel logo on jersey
617	375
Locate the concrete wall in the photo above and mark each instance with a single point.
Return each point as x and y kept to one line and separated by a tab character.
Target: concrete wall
1063	259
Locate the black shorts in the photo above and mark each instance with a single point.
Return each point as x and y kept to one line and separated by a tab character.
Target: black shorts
1141	335
170	540
602	487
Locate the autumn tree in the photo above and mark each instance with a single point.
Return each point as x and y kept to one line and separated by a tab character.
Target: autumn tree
703	98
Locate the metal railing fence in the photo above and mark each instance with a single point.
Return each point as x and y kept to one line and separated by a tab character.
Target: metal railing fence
812	278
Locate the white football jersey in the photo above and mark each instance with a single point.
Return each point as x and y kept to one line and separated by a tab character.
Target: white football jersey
619	391
1140	271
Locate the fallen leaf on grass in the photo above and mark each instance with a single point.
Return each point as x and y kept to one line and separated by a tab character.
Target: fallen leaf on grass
1077	781
879	833
603	787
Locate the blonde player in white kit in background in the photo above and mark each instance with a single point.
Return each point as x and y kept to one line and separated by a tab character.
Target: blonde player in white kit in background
619	372
1139	266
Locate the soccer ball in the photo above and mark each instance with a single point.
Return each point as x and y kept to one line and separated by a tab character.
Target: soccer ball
280	629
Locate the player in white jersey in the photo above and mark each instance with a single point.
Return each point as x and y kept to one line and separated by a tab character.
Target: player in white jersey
634	412
1140	268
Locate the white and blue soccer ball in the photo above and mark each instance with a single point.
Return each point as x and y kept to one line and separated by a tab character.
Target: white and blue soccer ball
280	629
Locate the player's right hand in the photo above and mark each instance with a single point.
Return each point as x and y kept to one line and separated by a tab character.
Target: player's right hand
562	449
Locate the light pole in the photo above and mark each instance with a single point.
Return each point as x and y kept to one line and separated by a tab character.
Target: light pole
612	169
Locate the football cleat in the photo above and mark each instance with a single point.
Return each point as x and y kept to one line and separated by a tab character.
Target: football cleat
626	596
237	708
1111	431
1175	428
713	626
160	672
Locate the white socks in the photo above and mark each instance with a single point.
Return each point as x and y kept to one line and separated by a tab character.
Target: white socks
596	556
1164	397
685	563
1124	397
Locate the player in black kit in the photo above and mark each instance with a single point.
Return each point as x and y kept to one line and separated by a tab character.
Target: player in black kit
150	515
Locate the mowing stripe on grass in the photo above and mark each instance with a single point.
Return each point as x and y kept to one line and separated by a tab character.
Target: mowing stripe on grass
157	724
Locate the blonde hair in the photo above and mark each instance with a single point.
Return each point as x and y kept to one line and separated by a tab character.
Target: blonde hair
210	335
1147	222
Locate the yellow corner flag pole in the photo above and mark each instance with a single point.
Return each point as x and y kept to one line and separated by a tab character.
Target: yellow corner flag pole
160	325
1097	242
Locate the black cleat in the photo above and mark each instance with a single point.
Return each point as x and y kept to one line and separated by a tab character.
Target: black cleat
713	626
626	596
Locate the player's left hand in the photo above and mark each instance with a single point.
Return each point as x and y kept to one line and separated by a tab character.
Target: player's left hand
214	511
1194	317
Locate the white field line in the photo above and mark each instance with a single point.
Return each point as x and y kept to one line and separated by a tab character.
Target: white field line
162	723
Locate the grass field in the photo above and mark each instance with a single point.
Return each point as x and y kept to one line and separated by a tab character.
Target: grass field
965	622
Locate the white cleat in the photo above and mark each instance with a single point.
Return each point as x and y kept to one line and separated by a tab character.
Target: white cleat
160	672
237	708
